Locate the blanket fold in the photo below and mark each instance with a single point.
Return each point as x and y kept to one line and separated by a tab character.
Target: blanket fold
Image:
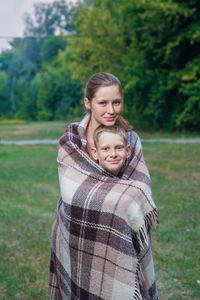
100	243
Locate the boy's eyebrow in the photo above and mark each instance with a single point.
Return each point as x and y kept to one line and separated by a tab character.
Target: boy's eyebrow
102	145
108	145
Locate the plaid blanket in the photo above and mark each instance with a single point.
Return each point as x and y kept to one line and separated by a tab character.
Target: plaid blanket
100	242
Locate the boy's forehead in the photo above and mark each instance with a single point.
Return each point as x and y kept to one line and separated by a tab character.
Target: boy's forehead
110	137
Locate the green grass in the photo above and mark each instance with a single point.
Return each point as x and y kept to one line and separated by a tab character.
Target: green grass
175	172
32	130
29	192
54	129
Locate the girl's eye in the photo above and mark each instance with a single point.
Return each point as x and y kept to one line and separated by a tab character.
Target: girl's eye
102	103
119	147
117	102
105	149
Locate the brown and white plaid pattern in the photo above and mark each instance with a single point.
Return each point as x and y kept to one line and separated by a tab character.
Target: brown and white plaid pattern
100	243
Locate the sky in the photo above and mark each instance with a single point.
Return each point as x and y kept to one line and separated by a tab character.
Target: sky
11	18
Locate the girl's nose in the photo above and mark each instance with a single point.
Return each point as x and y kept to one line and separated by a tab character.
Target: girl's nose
110	109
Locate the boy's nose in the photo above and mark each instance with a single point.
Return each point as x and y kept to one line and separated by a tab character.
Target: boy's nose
113	153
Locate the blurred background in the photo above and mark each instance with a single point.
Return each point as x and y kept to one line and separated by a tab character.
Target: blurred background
48	51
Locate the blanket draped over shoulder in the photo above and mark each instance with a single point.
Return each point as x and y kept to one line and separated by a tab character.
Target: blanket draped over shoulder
100	242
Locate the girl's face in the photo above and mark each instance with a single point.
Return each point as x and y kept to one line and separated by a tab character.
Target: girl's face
106	106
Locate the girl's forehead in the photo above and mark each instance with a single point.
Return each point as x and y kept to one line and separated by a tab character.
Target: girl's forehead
108	92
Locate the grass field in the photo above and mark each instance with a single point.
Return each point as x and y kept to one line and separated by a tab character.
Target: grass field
53	130
32	130
29	192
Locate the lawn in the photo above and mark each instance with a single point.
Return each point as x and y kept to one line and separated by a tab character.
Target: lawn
54	129
175	172
28	192
32	130
28	195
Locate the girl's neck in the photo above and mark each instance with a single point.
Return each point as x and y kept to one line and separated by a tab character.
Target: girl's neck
89	135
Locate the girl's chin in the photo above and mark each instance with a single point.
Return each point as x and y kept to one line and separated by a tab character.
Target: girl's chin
109	124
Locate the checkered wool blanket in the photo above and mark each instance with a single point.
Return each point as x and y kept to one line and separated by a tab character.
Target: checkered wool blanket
100	243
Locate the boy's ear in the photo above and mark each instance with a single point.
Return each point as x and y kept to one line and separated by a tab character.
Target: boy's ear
94	153
128	151
87	103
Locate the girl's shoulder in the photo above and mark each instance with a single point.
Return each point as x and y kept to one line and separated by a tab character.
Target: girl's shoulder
75	134
132	138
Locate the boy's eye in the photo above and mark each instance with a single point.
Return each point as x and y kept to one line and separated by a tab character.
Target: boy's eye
102	103
105	149
119	147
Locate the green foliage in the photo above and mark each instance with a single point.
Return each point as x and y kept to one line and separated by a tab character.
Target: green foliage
38	87
153	47
150	46
28	106
52	46
3	94
97	46
190	115
57	92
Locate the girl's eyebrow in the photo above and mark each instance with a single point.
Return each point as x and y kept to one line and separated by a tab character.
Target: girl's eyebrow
117	99
101	99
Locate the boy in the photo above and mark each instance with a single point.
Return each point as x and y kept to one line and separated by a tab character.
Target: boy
111	149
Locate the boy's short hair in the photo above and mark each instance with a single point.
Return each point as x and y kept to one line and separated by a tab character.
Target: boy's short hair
117	129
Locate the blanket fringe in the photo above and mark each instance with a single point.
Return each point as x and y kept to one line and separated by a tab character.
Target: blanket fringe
141	235
150	220
137	295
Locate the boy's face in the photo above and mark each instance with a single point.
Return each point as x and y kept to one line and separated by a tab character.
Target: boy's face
111	151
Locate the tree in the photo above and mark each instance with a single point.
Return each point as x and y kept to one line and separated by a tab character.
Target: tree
58	93
12	63
49	19
4	103
190	116
152	46
27	106
52	46
25	60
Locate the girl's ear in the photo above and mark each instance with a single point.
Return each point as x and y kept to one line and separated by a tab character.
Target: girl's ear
128	151
87	103
94	153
